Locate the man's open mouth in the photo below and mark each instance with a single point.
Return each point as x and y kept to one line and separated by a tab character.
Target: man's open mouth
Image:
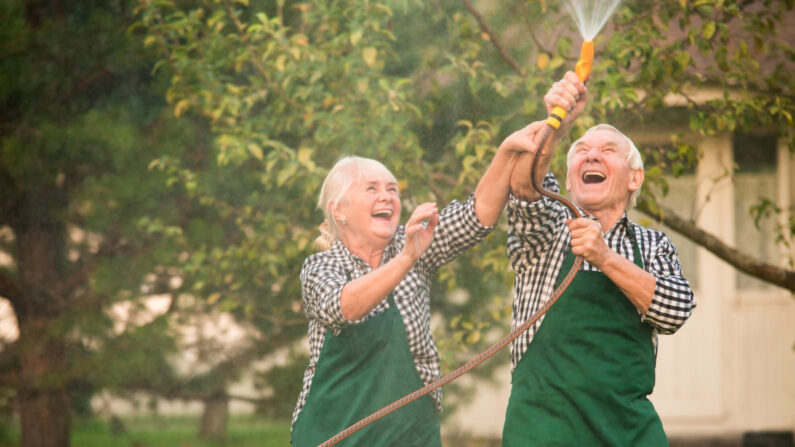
593	177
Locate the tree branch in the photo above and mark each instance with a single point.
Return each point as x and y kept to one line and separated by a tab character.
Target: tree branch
741	261
254	60
493	38
530	31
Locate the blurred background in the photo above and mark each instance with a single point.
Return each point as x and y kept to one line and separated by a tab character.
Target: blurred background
160	162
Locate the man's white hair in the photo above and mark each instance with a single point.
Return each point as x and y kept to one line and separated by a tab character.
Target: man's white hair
633	156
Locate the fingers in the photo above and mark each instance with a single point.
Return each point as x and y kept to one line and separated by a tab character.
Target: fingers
530	136
524	140
423	212
565	93
535	127
424	218
582	226
419	229
587	240
572	78
431	223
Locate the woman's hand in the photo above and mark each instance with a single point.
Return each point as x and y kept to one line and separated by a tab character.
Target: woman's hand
524	141
419	230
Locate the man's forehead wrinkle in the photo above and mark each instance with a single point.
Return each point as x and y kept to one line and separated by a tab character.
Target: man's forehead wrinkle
387	182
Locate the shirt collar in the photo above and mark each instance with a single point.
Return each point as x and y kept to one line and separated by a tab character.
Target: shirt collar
621	224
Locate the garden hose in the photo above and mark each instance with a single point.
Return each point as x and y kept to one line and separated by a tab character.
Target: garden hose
583	71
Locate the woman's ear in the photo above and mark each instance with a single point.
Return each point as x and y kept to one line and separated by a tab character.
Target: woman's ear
338	215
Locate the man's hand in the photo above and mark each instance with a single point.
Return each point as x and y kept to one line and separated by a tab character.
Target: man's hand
569	93
587	241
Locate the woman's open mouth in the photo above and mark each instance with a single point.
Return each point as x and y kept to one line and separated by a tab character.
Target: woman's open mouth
383	214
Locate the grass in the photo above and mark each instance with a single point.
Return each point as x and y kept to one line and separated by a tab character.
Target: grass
171	431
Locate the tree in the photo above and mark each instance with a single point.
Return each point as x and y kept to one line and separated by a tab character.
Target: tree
81	118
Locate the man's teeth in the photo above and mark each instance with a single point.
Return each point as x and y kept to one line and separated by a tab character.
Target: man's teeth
593	177
383	213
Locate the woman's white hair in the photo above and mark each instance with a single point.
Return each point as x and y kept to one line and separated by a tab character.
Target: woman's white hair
633	156
347	171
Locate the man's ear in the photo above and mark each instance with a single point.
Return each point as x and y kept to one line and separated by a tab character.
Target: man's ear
568	181
636	179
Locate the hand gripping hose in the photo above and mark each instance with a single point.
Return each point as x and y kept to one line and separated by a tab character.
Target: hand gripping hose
583	70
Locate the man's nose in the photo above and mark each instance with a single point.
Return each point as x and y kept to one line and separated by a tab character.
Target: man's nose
593	154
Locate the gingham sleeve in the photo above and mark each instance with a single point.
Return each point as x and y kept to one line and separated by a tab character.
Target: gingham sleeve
673	300
532	226
321	285
458	229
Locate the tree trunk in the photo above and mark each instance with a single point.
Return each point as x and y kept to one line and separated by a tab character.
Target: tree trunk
43	399
215	417
43	368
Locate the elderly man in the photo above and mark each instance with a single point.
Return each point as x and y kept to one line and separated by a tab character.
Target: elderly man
581	375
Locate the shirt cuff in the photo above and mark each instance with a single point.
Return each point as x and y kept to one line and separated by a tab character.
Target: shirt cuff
527	210
472	222
338	320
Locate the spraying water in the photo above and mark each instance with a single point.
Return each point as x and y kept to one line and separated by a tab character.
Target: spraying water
591	15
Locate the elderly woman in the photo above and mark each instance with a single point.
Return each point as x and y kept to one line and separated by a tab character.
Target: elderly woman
368	304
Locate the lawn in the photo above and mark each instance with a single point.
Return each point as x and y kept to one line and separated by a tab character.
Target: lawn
171	431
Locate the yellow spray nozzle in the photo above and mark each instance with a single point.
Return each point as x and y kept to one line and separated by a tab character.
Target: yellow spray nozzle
585	64
583	71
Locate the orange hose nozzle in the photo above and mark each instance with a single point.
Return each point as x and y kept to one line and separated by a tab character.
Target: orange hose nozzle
583	70
585	64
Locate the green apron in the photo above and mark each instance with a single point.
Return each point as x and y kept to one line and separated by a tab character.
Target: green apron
364	368
584	379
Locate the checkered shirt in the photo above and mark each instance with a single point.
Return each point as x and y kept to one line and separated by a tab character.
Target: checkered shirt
539	240
324	274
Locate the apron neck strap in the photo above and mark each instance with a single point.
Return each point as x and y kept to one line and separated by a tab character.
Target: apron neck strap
635	246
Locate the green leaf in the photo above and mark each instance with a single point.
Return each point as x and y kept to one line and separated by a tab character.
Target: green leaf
369	55
708	30
256	151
